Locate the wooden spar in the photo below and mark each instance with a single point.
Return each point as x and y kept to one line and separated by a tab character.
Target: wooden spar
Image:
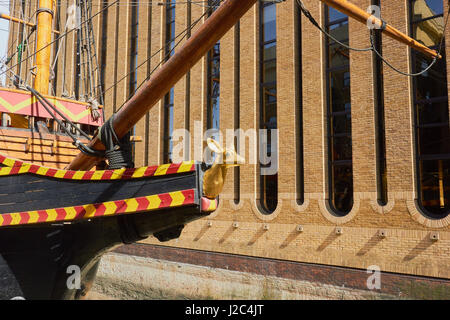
17	20
43	50
13	19
222	20
215	27
362	16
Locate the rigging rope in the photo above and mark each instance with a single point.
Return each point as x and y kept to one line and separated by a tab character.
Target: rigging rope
61	36
372	48
184	33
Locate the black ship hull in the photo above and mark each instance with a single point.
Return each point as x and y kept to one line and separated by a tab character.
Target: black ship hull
54	223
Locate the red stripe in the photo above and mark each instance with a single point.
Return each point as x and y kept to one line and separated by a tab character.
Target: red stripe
88	175
173	168
6	219
69	174
128	173
18	164
51	172
33	168
188	196
80	212
14	170
61	214
42	216
121	206
24	217
166	200
2	158
150	171
143	204
107	174
99	209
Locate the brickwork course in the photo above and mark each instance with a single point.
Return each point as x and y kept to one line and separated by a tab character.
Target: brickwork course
298	231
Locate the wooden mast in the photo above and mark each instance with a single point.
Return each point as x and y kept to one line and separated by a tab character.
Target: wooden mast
43	50
222	20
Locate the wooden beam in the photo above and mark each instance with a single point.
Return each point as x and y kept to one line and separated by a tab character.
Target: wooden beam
362	16
220	22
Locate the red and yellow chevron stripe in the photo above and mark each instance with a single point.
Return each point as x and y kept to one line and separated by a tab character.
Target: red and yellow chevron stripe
15	167
111	208
24	103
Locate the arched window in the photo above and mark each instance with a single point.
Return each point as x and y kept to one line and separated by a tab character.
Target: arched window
169	98
339	114
431	111
268	104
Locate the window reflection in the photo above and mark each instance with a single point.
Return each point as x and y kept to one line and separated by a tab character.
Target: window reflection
268	114
339	115
431	111
169	98
213	96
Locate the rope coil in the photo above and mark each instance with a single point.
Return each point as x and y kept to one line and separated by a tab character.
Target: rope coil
118	151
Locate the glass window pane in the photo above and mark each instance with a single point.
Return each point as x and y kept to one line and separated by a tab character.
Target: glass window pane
432	83
339	91
342	124
434	140
423	9
334	15
342	181
269	23
270	71
429	32
338	56
342	148
435	186
436	112
339	31
270	51
270	187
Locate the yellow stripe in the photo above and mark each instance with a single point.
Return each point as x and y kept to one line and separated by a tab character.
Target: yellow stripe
9	162
117	174
60	173
51	215
78	175
185	166
139	173
5	171
212	205
90	210
154	202
132	205
1	220
70	213
42	171
177	198
34	216
15	218
162	170
97	175
110	208
25	168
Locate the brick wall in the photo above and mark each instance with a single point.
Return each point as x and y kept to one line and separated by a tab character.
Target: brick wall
407	247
